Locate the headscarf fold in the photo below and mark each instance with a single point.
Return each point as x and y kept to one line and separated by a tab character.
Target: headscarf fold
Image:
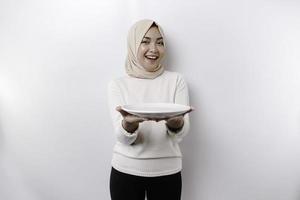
134	39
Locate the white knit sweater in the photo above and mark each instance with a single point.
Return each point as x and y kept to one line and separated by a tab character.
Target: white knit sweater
152	150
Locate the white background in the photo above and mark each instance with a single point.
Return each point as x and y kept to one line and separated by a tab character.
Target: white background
240	59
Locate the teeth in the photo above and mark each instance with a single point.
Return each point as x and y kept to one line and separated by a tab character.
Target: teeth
152	57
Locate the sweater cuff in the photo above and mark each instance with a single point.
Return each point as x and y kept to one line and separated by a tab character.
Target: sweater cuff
126	137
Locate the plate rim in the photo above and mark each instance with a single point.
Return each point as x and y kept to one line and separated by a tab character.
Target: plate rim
151	112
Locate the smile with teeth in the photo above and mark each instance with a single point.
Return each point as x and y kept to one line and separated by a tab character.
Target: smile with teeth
152	57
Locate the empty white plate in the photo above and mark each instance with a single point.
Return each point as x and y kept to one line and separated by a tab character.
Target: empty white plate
156	110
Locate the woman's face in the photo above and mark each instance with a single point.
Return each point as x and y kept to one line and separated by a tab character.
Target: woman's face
151	49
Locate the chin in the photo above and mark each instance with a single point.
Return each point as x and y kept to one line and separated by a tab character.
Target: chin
150	68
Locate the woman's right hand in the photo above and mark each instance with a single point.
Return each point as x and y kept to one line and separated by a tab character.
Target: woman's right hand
130	122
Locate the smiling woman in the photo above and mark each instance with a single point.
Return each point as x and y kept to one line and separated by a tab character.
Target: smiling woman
146	49
147	159
152	49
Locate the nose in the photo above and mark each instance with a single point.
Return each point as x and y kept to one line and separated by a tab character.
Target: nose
153	47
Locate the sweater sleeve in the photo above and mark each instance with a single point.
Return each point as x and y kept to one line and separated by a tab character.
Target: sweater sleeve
181	97
115	99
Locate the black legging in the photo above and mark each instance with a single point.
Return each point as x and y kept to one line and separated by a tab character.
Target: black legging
129	187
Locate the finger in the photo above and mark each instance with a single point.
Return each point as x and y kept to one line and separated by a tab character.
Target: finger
133	119
176	118
190	110
123	112
141	119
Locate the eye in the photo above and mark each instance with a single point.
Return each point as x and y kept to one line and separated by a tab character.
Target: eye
160	43
145	42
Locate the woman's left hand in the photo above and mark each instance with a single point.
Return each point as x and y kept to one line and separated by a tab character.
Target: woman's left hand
175	122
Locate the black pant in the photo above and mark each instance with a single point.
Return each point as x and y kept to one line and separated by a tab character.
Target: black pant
129	187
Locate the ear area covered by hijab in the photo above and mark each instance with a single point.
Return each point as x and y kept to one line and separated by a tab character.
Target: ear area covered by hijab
134	39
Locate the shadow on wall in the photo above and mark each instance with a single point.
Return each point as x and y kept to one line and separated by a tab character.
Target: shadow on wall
1	142
3	182
194	148
1	137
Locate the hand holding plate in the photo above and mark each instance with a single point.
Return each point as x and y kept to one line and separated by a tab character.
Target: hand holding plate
130	122
177	122
130	118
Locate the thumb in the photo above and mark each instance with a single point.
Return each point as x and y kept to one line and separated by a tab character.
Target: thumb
190	110
123	112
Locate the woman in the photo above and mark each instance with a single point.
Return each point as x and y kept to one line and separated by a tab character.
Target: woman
147	159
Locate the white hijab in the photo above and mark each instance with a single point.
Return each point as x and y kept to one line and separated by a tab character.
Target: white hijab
134	39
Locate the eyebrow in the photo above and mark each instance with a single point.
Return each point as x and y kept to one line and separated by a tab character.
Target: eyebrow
150	38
